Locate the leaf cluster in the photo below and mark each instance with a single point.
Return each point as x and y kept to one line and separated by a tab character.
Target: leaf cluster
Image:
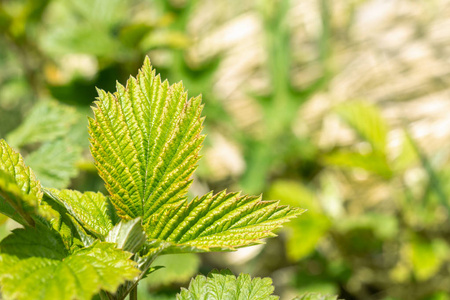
145	140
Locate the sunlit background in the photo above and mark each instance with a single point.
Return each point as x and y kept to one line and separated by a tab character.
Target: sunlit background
341	107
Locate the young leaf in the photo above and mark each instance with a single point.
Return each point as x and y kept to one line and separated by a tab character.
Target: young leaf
37	272
90	209
224	285
20	192
128	236
218	222
63	223
145	140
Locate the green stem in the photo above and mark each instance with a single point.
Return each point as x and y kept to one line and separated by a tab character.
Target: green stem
434	181
133	293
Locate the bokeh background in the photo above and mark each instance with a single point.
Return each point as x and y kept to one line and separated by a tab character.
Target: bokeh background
341	107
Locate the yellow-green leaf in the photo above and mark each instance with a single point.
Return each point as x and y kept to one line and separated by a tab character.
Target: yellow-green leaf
224	285
367	121
218	222
89	208
77	276
20	192
145	140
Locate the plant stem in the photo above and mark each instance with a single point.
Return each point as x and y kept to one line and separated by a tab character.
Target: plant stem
133	293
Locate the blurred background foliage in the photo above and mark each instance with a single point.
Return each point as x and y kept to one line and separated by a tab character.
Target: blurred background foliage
341	107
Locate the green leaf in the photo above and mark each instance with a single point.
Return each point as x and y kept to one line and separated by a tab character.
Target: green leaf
224	285
145	140
371	221
316	296
129	236
20	192
47	121
34	242
218	222
15	204
407	157
89	208
367	121
54	163
427	256
372	162
77	276
303	234
63	223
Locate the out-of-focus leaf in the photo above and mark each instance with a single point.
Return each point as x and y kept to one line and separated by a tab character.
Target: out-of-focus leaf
100	12
15	96
438	296
47	121
315	296
84	38
372	162
364	235
176	268
372	221
367	121
406	157
259	162
294	194
84	27
427	256
224	285
303	233
131	35
54	163
316	285
5	19
168	39
435	182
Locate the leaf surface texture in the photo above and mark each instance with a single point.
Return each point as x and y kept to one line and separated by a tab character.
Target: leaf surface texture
224	285
145	140
219	222
35	265
89	208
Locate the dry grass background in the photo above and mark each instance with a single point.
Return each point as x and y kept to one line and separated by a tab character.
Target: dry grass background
395	54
